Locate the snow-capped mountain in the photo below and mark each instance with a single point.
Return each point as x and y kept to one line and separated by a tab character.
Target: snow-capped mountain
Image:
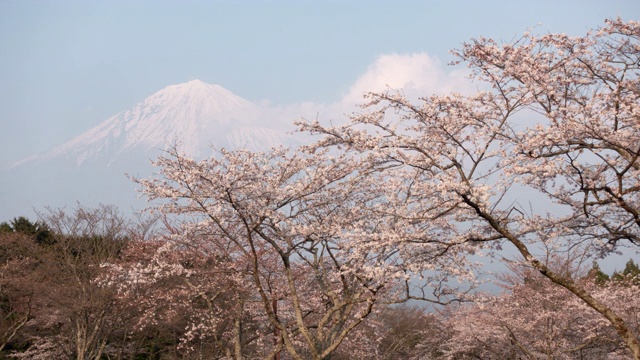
194	114
91	168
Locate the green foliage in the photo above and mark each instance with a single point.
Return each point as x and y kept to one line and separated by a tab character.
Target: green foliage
599	276
630	273
5	227
631	269
43	235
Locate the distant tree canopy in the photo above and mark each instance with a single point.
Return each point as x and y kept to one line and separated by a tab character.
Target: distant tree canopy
39	229
630	273
52	304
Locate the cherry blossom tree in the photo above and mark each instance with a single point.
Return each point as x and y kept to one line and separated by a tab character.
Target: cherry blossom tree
195	290
295	233
87	316
534	318
397	332
544	160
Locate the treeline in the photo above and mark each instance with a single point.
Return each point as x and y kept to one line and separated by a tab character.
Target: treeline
64	295
51	303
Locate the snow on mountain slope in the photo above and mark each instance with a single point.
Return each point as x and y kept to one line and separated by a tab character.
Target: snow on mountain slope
195	113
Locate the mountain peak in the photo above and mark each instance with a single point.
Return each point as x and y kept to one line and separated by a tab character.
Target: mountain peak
211	96
196	83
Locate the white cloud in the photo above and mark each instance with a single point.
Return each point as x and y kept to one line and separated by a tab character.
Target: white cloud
415	74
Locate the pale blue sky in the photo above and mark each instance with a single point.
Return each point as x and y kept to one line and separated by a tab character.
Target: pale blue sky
66	66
